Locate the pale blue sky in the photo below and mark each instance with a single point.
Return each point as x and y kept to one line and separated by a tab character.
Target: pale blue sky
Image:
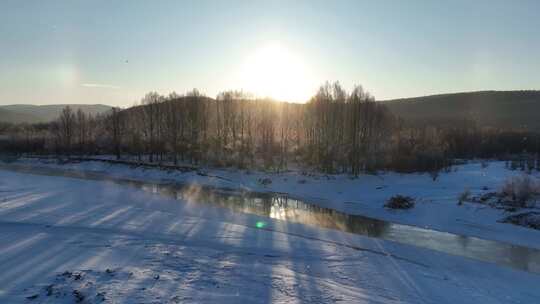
76	51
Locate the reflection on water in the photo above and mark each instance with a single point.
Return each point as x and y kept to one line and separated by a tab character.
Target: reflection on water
285	208
282	207
276	206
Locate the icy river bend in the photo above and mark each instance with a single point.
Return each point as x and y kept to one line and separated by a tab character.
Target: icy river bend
297	210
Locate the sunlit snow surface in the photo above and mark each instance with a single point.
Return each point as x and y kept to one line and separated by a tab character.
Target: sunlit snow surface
436	206
65	238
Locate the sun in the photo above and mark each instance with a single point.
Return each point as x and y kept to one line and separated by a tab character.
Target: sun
274	71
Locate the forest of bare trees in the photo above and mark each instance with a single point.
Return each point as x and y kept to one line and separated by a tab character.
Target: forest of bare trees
335	132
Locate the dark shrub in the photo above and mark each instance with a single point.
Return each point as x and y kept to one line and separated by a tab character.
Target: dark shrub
265	181
464	196
520	190
527	219
400	202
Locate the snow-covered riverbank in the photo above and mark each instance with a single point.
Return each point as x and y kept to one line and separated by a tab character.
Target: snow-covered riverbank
437	201
65	238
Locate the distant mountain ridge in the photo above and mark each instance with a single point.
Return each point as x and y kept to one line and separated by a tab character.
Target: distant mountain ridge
19	113
509	109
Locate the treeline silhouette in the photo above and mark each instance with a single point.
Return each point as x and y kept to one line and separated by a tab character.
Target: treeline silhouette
334	132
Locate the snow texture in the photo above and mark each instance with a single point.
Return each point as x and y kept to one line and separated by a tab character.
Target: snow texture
67	240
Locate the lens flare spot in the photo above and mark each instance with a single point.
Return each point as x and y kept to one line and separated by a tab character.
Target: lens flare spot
260	224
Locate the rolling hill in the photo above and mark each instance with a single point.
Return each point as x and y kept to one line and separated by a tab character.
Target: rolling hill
15	117
31	113
509	109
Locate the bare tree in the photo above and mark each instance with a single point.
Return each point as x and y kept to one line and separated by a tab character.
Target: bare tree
66	129
115	127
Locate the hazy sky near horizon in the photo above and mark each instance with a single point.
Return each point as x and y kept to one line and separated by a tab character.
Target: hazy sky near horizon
113	52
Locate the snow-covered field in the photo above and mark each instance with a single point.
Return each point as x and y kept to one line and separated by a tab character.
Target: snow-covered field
66	239
436	206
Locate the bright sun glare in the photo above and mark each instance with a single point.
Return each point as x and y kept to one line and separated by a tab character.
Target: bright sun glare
274	71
